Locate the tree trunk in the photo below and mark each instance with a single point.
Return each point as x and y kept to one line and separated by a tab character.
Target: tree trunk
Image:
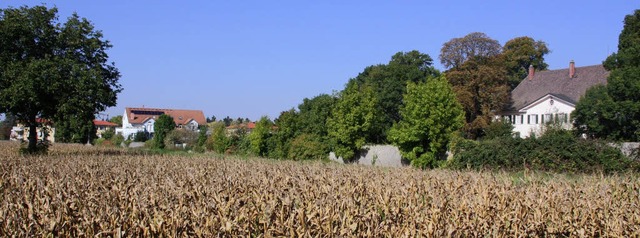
33	134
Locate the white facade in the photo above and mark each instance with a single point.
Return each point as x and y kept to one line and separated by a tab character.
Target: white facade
130	129
535	117
143	120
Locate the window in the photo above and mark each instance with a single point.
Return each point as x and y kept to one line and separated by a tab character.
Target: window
561	117
532	119
547	118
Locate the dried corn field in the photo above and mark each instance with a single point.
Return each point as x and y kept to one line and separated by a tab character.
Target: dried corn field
81	191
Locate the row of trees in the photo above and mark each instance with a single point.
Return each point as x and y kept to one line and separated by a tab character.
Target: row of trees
406	102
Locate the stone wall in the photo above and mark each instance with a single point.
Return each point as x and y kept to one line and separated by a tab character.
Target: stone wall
377	155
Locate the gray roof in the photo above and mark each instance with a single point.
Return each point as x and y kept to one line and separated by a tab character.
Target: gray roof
558	83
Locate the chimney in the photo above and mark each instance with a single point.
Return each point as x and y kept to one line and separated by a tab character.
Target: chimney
572	69
532	72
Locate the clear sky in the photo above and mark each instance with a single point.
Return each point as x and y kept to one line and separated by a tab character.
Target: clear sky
254	58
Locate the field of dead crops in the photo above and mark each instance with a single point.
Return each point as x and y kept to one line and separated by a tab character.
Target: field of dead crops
82	191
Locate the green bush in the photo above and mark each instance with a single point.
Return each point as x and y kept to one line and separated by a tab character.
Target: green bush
108	134
117	140
556	151
99	141
184	137
307	146
140	136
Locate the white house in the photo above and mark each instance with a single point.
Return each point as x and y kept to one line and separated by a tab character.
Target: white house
550	96
142	119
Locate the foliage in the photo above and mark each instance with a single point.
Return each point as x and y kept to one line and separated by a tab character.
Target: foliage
73	129
53	71
161	128
555	151
430	115
613	111
108	134
202	139
286	129
218	141
499	128
259	137
187	139
312	118
352	119
307	147
117	140
116	120
521	52
140	136
227	121
481	87
389	83
6	125
457	51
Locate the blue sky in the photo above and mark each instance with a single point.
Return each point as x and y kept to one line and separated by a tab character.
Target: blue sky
254	58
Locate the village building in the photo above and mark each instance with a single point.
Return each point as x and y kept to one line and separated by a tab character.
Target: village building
550	96
136	120
20	132
103	126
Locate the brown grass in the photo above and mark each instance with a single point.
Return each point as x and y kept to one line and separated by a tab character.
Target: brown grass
80	191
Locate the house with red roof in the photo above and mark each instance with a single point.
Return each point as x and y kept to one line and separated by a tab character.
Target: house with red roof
136	120
20	132
102	126
550	96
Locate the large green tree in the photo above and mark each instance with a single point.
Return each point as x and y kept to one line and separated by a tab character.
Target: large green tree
286	128
430	116
389	82
161	128
617	115
352	120
521	52
116	120
53	71
313	114
259	137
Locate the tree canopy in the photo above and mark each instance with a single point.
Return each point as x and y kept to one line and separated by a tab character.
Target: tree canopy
521	52
613	111
163	125
389	82
53	71
430	115
352	119
458	50
483	81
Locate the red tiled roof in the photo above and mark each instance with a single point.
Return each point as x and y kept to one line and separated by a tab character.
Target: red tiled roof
104	123
180	117
249	125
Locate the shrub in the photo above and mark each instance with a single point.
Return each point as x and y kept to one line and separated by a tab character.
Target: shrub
99	141
117	140
140	136
307	146
218	141
187	138
108	134
556	150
